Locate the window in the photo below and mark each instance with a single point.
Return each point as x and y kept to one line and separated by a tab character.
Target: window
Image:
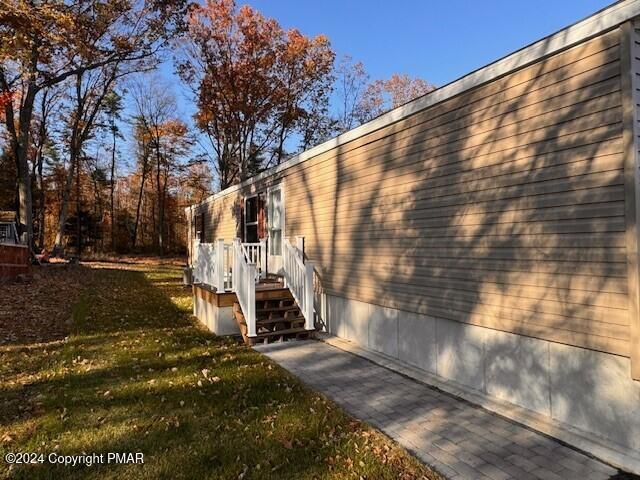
6	233
251	220
199	228
275	222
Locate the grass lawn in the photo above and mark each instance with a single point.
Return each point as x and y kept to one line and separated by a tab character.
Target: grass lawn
136	374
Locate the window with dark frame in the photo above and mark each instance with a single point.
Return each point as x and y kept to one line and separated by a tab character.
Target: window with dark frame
199	228
251	219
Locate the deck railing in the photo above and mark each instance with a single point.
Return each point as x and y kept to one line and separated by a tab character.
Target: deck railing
256	253
204	269
298	276
227	262
211	265
244	285
9	234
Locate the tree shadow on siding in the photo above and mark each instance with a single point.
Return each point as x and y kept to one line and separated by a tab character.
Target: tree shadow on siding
511	217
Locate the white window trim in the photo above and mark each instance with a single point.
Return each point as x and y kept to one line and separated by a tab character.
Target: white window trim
283	222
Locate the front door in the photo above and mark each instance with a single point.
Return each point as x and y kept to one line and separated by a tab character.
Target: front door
253	219
275	229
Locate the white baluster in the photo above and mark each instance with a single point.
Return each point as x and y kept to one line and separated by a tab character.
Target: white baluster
220	267
308	294
263	258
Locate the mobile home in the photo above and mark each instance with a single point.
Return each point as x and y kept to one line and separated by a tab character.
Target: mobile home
485	233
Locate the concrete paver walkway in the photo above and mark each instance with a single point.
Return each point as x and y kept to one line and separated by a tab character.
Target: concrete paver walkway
458	439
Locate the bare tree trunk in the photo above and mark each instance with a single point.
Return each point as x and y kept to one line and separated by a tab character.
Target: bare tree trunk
135	226
160	200
46	102
24	186
19	146
78	208
41	205
86	110
64	204
20	140
113	187
25	198
98	212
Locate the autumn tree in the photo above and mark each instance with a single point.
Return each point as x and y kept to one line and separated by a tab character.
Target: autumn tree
197	182
164	143
143	154
45	43
47	105
380	96
351	84
113	106
85	105
256	84
171	144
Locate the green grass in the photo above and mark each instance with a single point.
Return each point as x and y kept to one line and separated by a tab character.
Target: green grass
138	375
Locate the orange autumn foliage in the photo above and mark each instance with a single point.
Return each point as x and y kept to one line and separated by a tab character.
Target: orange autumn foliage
258	84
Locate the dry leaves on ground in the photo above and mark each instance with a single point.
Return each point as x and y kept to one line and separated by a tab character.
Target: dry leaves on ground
38	308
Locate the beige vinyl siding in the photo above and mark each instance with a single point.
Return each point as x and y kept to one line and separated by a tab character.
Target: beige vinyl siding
502	207
630	82
221	217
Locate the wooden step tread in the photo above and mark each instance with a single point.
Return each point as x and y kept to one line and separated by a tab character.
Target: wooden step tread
277	333
269	321
277	309
264	295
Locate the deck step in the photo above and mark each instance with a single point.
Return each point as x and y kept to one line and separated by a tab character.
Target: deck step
278	333
278	316
270	321
273	294
286	308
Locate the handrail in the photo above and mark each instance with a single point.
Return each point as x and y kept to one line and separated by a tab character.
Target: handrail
298	276
244	285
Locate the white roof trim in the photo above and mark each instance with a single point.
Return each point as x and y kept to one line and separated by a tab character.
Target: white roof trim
597	23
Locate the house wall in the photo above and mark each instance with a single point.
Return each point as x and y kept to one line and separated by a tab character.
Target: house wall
502	207
486	239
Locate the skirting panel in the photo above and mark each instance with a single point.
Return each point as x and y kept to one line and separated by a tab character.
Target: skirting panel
573	388
210	312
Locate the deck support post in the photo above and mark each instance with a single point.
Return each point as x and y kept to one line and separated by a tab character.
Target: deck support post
251	301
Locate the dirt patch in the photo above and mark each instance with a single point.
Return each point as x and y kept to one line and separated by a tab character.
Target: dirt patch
37	308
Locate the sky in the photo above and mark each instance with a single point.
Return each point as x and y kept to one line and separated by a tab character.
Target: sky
439	41
436	40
